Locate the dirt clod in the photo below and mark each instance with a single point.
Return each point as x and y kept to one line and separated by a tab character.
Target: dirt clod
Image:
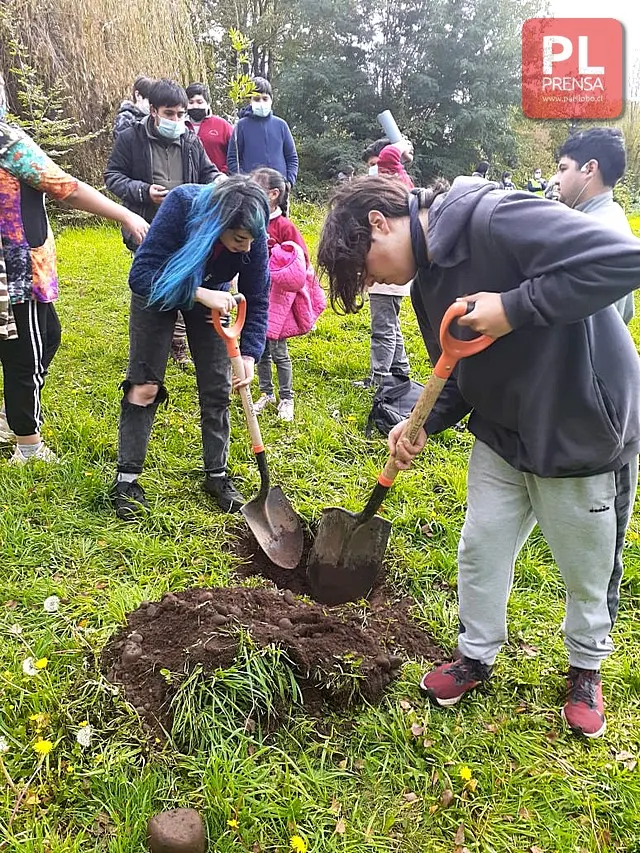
177	831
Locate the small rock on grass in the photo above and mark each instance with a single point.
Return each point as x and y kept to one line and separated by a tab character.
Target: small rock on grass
177	831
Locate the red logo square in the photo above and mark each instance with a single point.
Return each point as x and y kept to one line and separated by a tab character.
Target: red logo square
572	68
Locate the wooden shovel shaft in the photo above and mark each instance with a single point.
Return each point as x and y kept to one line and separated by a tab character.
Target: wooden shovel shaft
420	413
237	365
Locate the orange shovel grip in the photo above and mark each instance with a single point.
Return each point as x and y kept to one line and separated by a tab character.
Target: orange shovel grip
230	334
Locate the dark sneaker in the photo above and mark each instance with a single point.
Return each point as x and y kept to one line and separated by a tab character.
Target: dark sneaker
584	709
128	500
224	493
447	684
180	354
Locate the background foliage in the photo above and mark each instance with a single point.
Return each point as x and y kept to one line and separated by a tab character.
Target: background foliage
448	69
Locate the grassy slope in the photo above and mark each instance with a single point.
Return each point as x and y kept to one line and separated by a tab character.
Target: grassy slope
536	786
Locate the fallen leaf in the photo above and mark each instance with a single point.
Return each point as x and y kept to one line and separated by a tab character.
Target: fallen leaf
427	743
426	529
471	785
341	827
342	765
535	849
459	839
433	809
359	764
335	806
605	837
552	736
417	730
627	759
406	706
11	605
446	798
530	651
524	814
101	585
410	797
490	727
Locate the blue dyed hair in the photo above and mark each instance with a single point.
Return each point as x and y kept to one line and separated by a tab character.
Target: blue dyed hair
235	202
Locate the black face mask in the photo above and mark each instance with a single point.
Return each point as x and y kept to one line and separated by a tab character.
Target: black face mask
197	114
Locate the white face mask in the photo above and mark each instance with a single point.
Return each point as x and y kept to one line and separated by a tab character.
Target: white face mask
373	170
261	108
170	129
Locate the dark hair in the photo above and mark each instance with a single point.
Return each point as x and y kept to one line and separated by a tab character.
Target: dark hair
271	179
346	233
237	202
262	85
604	144
167	93
142	85
482	167
506	175
194	89
375	148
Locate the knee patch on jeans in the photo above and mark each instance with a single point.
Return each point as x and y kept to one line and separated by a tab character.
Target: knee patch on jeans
162	395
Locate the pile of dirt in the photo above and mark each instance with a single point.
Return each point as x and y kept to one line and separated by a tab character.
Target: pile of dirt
200	627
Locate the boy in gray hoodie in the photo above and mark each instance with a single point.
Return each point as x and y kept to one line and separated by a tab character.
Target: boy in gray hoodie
554	402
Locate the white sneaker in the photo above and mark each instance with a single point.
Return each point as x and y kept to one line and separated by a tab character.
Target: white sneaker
43	454
285	410
263	401
7	435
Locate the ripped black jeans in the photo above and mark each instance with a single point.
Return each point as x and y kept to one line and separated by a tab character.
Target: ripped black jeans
150	335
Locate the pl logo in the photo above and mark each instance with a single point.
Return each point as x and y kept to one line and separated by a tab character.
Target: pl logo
572	68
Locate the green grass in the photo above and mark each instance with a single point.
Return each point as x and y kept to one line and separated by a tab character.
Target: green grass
535	786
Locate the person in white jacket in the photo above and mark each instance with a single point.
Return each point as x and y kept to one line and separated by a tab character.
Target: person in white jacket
386	353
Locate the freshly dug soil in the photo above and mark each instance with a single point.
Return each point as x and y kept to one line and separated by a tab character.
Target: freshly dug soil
200	627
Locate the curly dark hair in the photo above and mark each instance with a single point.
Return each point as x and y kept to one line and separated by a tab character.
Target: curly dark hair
346	233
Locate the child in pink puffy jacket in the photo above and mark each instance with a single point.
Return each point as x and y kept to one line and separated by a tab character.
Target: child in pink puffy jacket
296	299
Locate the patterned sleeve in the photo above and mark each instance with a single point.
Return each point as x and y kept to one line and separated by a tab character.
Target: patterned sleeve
26	161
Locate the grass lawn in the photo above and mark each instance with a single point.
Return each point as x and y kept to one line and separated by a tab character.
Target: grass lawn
517	782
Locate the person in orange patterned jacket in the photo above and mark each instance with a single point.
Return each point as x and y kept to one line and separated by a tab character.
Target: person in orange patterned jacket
29	325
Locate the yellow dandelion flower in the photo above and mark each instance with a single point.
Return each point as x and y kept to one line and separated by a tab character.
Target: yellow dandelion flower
233	823
41	663
298	844
43	747
465	774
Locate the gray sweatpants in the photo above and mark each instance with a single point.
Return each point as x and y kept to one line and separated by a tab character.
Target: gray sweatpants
583	519
276	352
387	354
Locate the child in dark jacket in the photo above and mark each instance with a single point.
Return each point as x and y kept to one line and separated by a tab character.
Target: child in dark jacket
201	238
554	401
296	299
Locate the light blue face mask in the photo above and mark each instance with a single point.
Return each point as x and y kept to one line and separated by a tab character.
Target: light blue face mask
261	108
170	129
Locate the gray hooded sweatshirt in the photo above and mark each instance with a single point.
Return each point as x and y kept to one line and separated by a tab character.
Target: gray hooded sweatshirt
560	395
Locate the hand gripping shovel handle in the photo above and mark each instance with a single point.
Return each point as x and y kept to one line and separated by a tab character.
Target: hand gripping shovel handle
230	335
453	350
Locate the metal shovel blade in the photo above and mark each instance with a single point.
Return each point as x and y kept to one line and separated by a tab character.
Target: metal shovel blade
276	527
346	556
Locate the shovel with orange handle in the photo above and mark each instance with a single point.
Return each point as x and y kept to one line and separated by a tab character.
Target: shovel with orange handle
269	515
349	547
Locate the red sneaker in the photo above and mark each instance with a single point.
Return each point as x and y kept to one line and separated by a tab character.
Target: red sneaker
584	709
447	684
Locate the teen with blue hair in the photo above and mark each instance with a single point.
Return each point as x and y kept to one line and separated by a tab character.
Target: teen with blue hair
201	238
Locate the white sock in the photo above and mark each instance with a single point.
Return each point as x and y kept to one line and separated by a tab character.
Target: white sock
28	450
126	478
